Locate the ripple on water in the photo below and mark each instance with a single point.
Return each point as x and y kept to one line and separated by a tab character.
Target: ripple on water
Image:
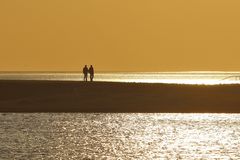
119	136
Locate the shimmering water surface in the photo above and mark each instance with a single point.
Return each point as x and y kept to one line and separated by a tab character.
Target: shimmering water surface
119	136
209	78
122	136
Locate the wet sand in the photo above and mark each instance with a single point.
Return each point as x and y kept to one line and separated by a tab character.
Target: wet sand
70	96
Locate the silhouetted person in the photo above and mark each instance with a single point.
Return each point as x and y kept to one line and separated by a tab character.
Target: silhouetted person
91	72
85	73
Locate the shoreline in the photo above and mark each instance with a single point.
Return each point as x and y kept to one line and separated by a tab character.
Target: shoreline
117	97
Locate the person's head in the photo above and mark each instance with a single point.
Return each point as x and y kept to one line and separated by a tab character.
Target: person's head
91	66
85	65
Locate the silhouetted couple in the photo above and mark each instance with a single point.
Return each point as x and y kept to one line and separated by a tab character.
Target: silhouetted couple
87	70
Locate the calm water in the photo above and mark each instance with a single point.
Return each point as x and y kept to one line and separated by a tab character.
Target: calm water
151	77
122	136
119	136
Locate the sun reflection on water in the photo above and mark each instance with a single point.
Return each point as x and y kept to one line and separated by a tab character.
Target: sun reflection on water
119	136
206	78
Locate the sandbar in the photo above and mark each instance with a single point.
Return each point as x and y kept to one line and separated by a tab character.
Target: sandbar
116	97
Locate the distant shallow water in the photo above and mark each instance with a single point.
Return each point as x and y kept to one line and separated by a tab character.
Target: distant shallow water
119	136
207	78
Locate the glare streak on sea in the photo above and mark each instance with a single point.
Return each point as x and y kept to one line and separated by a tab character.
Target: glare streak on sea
206	78
119	136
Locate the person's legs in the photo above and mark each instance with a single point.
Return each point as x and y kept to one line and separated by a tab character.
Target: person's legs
91	77
85	77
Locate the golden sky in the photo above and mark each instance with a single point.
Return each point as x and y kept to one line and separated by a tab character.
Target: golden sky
120	35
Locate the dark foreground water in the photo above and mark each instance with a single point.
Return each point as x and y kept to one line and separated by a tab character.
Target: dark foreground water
119	136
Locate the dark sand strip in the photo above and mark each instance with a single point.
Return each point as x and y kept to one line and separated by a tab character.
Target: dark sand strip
65	96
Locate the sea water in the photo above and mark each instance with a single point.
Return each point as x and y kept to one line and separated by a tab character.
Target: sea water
122	135
207	78
142	136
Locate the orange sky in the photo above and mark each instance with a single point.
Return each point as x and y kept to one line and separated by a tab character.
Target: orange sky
120	35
